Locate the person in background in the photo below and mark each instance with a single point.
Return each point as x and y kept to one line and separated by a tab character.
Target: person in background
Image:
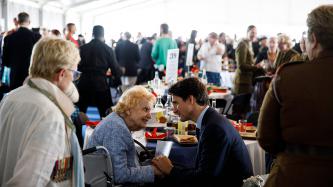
44	32
81	40
96	59
56	33
298	98
254	42
17	50
132	113
246	68
161	47
146	63
263	45
211	54
128	57
36	134
268	57
71	29
286	53
222	157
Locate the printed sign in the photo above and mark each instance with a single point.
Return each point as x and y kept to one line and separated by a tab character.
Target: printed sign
172	66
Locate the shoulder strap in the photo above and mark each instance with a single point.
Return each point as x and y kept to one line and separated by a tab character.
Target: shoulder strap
275	91
68	122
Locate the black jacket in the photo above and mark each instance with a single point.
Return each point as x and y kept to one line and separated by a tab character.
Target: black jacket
128	56
146	61
222	157
96	59
17	51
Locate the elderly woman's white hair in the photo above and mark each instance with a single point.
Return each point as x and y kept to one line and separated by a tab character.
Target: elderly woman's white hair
132	97
50	55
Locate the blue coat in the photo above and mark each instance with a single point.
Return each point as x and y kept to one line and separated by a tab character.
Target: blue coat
222	156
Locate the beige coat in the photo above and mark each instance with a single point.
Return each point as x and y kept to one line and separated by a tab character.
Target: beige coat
299	112
32	136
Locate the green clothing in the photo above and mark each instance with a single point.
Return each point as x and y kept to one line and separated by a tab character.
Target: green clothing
160	50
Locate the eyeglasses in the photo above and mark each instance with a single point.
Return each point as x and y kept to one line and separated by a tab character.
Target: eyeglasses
76	74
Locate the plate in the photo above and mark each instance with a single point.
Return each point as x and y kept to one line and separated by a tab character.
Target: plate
248	135
186	139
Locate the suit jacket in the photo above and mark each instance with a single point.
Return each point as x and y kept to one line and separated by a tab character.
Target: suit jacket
96	59
299	112
17	50
245	68
222	156
128	56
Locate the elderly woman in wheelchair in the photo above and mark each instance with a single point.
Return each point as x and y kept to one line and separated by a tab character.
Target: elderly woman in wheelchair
132	113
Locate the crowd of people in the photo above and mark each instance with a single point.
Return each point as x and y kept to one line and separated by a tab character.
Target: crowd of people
54	76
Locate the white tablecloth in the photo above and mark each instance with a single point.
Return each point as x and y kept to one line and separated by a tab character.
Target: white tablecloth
257	155
227	79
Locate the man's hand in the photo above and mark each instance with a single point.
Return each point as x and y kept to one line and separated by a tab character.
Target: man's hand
163	164
158	172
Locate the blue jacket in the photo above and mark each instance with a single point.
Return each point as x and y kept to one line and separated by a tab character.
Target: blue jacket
222	156
113	134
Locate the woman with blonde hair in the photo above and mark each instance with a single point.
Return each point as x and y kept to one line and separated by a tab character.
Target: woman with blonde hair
132	113
38	146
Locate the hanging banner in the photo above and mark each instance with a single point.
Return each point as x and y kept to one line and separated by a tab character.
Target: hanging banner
172	66
189	55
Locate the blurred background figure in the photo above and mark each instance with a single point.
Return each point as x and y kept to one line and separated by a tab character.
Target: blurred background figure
211	54
71	29
17	50
146	63
161	47
128	58
96	59
81	40
56	33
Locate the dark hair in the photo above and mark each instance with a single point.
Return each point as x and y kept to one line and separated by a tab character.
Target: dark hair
250	27
193	35
70	25
56	32
127	35
23	17
221	34
164	28
98	31
190	86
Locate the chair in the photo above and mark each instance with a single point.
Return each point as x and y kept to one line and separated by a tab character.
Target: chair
220	104
240	106
97	167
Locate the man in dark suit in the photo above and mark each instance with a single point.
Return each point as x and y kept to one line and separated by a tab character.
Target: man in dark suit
96	59
17	50
146	63
128	57
222	157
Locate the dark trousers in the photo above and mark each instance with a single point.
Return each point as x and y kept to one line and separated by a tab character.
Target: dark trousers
101	99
